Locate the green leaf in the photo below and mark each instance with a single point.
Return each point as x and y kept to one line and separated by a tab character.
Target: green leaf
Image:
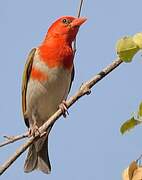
137	38
126	49
130	124
140	110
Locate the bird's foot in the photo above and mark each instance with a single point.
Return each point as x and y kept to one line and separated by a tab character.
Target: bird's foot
64	109
34	131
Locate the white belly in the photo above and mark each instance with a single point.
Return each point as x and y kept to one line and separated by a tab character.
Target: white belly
43	99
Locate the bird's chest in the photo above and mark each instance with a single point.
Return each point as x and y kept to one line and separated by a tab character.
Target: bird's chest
44	96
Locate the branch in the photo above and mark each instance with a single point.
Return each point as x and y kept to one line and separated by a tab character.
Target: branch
78	15
79	8
85	89
11	139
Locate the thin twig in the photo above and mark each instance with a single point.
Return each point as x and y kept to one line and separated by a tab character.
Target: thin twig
78	15
84	89
139	158
11	139
79	9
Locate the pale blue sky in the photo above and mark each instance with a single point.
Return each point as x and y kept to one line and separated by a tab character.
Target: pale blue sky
87	145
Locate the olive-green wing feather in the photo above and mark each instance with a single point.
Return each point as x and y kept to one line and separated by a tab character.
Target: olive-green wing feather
26	76
72	78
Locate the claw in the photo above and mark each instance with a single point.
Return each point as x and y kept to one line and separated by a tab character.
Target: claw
34	131
64	109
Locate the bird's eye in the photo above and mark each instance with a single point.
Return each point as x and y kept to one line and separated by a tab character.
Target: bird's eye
65	21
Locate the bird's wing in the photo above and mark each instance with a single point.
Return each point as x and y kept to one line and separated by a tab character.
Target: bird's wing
72	78
26	76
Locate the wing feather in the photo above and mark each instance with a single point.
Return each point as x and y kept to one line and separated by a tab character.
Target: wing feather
25	79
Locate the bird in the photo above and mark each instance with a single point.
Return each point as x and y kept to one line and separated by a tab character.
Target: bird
47	79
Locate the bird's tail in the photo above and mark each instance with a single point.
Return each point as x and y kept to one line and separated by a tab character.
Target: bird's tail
38	159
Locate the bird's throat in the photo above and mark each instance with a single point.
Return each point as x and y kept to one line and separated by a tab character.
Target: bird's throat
56	52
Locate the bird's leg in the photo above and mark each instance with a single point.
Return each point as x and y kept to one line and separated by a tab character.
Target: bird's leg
34	129
64	109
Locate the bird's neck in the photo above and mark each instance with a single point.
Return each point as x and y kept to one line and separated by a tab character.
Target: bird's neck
58	39
56	51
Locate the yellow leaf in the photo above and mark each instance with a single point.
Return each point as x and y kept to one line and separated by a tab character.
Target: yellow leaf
140	110
125	175
132	167
137	38
126	49
129	124
137	175
129	172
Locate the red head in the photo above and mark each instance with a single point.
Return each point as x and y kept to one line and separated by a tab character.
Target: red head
66	28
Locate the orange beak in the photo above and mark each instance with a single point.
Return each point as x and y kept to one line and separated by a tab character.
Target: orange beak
78	22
